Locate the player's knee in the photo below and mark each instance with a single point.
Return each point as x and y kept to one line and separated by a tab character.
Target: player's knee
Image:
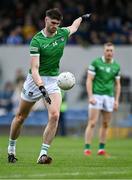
54	115
92	125
105	124
20	118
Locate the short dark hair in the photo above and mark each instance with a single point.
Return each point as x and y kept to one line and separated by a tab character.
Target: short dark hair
108	44
54	14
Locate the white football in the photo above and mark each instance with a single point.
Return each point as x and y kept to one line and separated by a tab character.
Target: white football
66	80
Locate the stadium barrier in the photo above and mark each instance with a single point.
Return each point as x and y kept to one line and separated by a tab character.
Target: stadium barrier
75	122
37	118
123	128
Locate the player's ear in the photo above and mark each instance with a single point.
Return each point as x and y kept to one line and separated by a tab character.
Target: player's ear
46	19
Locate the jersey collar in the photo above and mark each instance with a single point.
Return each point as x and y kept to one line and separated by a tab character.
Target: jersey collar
45	34
103	59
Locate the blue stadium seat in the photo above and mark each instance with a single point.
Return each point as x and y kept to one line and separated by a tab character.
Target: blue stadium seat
125	122
37	118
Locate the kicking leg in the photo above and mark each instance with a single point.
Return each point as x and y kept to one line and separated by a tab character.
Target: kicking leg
51	128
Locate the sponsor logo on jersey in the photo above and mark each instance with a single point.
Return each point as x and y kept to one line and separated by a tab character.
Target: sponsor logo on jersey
55	43
45	46
62	38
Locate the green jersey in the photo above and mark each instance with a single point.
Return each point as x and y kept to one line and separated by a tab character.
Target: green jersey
49	50
104	76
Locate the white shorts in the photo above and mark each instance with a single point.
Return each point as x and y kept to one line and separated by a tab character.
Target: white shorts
103	102
31	92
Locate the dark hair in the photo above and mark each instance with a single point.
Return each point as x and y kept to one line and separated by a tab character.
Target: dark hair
54	14
109	44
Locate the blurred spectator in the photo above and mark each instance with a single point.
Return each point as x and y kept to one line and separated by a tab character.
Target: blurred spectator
83	93
19	76
94	38
109	20
19	80
114	24
16	95
1	36
126	94
28	29
15	37
1	73
6	98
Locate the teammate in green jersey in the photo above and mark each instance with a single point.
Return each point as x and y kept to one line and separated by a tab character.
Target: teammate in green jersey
46	50
103	87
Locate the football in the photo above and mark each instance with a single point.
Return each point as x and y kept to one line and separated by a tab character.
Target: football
66	80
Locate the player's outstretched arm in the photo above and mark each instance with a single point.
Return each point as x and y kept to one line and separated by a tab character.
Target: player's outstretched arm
76	23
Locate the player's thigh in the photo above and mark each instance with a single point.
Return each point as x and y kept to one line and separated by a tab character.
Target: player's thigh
93	115
108	105
106	116
54	107
24	107
99	102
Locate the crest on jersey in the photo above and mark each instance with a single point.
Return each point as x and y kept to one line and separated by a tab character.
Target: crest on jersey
108	69
62	39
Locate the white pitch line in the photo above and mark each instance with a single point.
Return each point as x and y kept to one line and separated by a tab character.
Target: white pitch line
55	174
73	174
41	175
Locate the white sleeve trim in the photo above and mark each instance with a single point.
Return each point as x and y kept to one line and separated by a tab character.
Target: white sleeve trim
91	72
34	54
117	77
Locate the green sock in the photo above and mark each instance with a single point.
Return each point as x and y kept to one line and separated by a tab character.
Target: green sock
101	146
87	146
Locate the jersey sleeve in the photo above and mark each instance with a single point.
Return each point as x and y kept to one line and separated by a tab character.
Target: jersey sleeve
118	74
92	68
34	48
66	31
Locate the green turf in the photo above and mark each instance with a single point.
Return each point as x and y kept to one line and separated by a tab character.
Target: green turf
69	161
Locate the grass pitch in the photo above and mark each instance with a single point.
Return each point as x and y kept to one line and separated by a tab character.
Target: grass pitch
68	160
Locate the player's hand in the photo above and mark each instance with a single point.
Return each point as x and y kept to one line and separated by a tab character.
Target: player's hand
45	94
85	17
92	100
116	105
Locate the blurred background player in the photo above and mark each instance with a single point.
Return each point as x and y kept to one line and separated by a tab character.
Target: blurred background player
103	88
46	50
